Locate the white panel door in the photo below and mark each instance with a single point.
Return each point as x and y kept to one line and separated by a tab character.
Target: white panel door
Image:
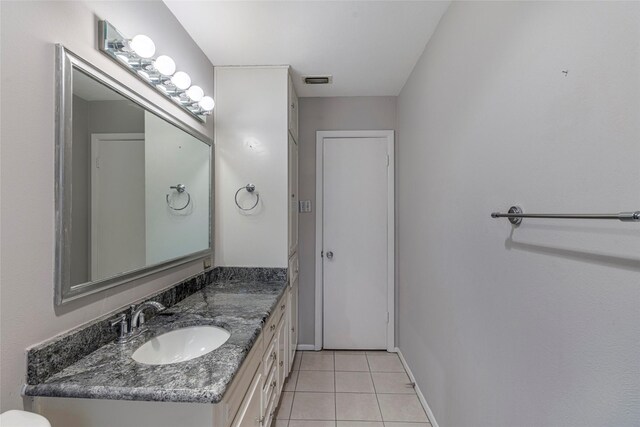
355	242
117	204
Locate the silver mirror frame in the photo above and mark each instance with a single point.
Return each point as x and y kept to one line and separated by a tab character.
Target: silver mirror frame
64	292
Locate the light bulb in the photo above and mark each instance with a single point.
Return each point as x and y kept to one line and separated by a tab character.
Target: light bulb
206	103
181	80
195	93
165	65
143	46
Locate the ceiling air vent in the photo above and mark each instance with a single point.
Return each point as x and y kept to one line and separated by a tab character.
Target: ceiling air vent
318	80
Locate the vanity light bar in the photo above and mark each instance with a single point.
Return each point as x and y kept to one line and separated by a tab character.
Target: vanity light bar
138	56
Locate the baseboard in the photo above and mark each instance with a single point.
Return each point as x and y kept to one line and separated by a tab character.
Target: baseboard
306	347
423	401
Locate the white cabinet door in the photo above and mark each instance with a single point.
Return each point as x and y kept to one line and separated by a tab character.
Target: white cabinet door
293	196
293	321
283	351
293	110
251	146
250	411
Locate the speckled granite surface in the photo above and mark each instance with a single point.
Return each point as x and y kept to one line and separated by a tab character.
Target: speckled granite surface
239	305
56	354
250	273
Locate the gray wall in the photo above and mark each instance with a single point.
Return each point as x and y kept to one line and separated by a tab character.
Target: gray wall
340	113
29	31
115	117
539	325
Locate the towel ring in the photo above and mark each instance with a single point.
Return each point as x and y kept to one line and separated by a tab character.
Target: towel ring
250	189
180	188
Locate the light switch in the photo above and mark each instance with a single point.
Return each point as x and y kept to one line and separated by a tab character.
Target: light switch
305	206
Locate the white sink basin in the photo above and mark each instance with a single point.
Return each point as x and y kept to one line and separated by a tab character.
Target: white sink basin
181	345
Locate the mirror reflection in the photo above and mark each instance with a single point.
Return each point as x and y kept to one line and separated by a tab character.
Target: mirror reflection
140	186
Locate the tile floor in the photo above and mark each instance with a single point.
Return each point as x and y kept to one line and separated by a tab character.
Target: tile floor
349	389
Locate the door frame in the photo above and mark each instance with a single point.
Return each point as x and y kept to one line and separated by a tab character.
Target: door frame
319	291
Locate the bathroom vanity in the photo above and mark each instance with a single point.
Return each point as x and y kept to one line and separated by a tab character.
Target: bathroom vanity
220	353
237	384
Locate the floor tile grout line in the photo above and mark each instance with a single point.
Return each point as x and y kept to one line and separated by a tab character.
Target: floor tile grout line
408	422
290	409
384	423
335	397
343	392
427	424
297	376
376	390
293	397
341	370
379	407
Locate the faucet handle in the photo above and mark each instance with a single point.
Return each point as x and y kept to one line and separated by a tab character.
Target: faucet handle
121	321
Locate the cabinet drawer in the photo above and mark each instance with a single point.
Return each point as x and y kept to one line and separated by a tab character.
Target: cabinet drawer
270	329
270	357
249	413
270	411
238	388
270	390
282	307
282	337
272	323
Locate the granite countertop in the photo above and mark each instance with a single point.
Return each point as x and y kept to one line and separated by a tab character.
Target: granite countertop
239	306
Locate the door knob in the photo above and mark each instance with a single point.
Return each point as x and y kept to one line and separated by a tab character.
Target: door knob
330	255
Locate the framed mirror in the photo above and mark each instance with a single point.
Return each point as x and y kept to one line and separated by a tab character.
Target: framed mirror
133	184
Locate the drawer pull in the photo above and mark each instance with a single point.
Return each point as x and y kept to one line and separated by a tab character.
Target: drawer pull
293	329
282	307
273	383
260	420
273	355
272	327
281	363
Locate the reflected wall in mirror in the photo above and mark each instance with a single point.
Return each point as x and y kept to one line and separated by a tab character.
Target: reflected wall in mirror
134	184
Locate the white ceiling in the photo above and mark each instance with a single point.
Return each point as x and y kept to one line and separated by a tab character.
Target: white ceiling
369	47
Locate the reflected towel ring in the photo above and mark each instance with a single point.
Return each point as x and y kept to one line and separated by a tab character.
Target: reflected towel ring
250	189
180	188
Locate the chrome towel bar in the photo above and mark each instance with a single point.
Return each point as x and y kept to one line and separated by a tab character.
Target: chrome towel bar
516	214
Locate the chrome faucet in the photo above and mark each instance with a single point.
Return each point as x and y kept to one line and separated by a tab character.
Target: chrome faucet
137	314
130	328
